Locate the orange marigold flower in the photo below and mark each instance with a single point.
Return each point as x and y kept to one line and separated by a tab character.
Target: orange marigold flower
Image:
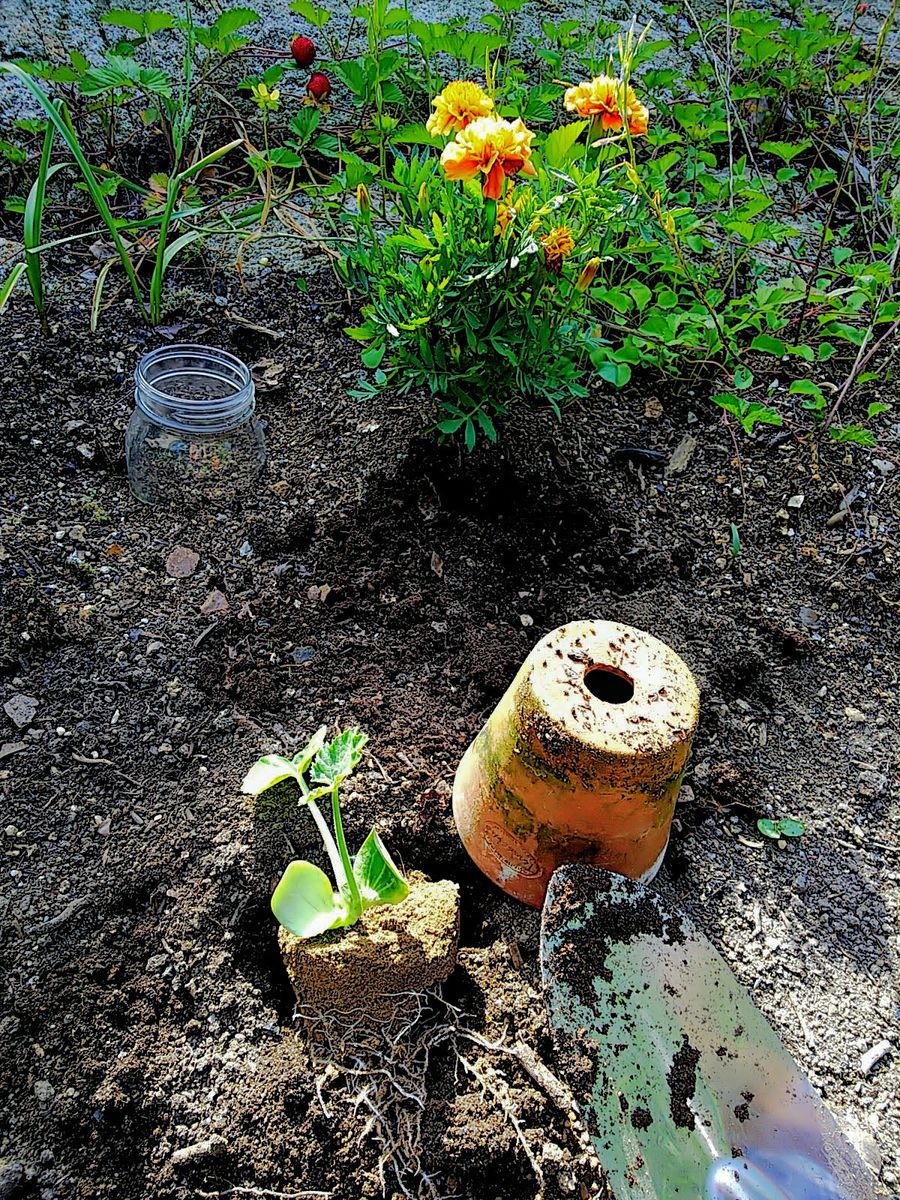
600	99
558	245
458	105
492	147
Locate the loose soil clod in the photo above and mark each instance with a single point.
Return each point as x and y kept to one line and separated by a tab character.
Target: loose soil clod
392	950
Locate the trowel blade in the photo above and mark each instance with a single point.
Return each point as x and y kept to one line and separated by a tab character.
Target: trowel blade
686	1090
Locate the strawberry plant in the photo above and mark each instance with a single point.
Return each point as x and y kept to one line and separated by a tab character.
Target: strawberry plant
306	902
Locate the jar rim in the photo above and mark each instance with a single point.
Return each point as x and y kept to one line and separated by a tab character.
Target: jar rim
196	413
185	349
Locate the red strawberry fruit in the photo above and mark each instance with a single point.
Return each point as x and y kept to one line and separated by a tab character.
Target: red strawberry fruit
304	51
319	86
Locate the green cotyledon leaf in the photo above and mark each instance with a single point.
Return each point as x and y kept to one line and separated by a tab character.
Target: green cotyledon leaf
379	880
305	903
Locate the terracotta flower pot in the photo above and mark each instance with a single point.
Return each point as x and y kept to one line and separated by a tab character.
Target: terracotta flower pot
581	761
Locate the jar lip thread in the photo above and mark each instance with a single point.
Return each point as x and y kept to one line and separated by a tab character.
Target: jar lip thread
201	414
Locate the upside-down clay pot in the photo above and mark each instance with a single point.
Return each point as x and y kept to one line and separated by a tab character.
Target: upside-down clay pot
581	761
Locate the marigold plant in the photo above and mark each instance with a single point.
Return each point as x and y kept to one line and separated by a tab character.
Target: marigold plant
482	295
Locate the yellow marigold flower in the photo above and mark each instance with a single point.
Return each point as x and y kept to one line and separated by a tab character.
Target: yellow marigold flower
558	245
458	105
599	99
264	97
492	147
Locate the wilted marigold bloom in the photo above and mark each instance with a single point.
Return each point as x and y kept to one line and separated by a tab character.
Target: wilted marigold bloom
492	147
558	245
458	105
599	99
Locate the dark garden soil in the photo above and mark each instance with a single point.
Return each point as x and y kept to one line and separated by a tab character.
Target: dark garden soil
376	578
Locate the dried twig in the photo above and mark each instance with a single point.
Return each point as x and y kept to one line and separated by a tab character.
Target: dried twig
251	1191
73	907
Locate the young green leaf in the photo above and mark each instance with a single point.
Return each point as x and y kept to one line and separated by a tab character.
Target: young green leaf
379	880
559	144
305	902
304	757
266	772
786	827
8	284
338	757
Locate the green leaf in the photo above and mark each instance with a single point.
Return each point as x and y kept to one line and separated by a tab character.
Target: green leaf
470	436
743	378
304	757
854	434
785	150
282	156
735	541
641	294
8	284
413	135
233	19
125	73
266	772
769	345
373	356
785	827
876	408
305	902
806	387
615	373
311	12
379	880
791	828
558	145
337	758
144	24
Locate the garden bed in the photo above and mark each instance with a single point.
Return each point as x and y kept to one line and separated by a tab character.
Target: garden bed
378	579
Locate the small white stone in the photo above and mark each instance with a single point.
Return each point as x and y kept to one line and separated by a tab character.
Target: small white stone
873	1057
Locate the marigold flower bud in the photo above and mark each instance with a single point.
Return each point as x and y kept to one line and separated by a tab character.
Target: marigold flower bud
363	202
588	271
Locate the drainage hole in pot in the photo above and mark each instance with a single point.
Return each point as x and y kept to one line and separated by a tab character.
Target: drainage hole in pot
609	685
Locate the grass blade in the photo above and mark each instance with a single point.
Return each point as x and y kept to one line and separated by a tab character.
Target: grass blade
31	224
98	293
57	113
9	283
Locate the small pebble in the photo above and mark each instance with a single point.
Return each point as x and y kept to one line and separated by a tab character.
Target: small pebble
873	1057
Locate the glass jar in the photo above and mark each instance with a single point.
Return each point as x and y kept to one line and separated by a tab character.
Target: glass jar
193	434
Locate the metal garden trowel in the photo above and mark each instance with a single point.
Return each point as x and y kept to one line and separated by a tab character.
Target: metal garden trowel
685	1088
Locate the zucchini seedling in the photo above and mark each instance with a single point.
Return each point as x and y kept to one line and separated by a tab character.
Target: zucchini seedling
305	902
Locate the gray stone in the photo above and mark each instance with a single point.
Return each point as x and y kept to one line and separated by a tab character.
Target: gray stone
21	709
